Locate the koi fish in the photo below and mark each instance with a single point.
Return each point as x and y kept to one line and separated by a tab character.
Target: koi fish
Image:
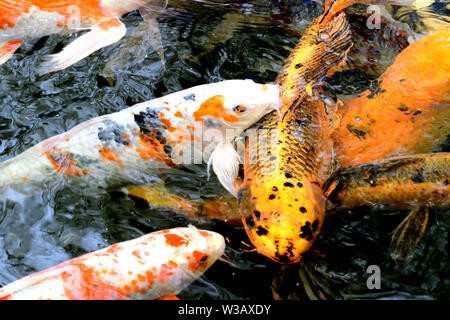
282	190
283	178
405	111
416	183
20	20
398	183
135	144
155	266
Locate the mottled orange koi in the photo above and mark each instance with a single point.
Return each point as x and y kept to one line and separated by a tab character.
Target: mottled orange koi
134	269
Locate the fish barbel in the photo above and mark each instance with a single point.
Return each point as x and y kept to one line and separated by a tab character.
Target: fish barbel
135	144
154	266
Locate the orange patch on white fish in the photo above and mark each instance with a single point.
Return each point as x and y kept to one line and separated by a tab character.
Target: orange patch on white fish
214	107
109	155
64	164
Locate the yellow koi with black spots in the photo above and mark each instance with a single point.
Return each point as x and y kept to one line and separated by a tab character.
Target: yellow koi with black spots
284	176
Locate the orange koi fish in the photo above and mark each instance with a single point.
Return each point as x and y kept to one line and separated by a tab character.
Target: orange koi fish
136	144
155	266
405	111
20	20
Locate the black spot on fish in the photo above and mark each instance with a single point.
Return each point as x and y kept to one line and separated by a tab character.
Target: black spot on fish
359	132
315	225
189	97
274	188
261	231
283	258
288	184
271	197
167	149
148	120
417	112
288	175
257	213
300	185
249	222
305	232
298	66
374	88
113	132
303	210
403	108
418	178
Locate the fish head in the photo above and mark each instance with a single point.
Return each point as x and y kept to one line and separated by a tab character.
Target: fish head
194	251
281	219
236	104
250	101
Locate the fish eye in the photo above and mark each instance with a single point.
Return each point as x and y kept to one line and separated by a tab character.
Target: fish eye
240	108
203	259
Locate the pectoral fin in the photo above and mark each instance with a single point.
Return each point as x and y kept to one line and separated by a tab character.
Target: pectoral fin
101	35
225	162
408	233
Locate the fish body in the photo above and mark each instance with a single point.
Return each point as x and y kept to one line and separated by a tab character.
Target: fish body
416	183
398	183
154	266
282	186
405	111
20	20
136	144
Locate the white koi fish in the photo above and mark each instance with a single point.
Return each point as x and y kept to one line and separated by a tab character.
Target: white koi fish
134	145
20	20
155	266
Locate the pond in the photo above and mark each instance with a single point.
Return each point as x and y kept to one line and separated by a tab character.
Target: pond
202	42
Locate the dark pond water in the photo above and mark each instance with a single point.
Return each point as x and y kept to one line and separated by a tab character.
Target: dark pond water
203	43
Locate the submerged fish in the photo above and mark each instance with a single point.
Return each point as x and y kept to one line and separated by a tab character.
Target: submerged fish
155	266
137	143
20	20
397	183
416	183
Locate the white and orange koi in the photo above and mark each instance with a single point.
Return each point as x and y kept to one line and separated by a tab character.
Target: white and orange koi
155	266
136	144
20	20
